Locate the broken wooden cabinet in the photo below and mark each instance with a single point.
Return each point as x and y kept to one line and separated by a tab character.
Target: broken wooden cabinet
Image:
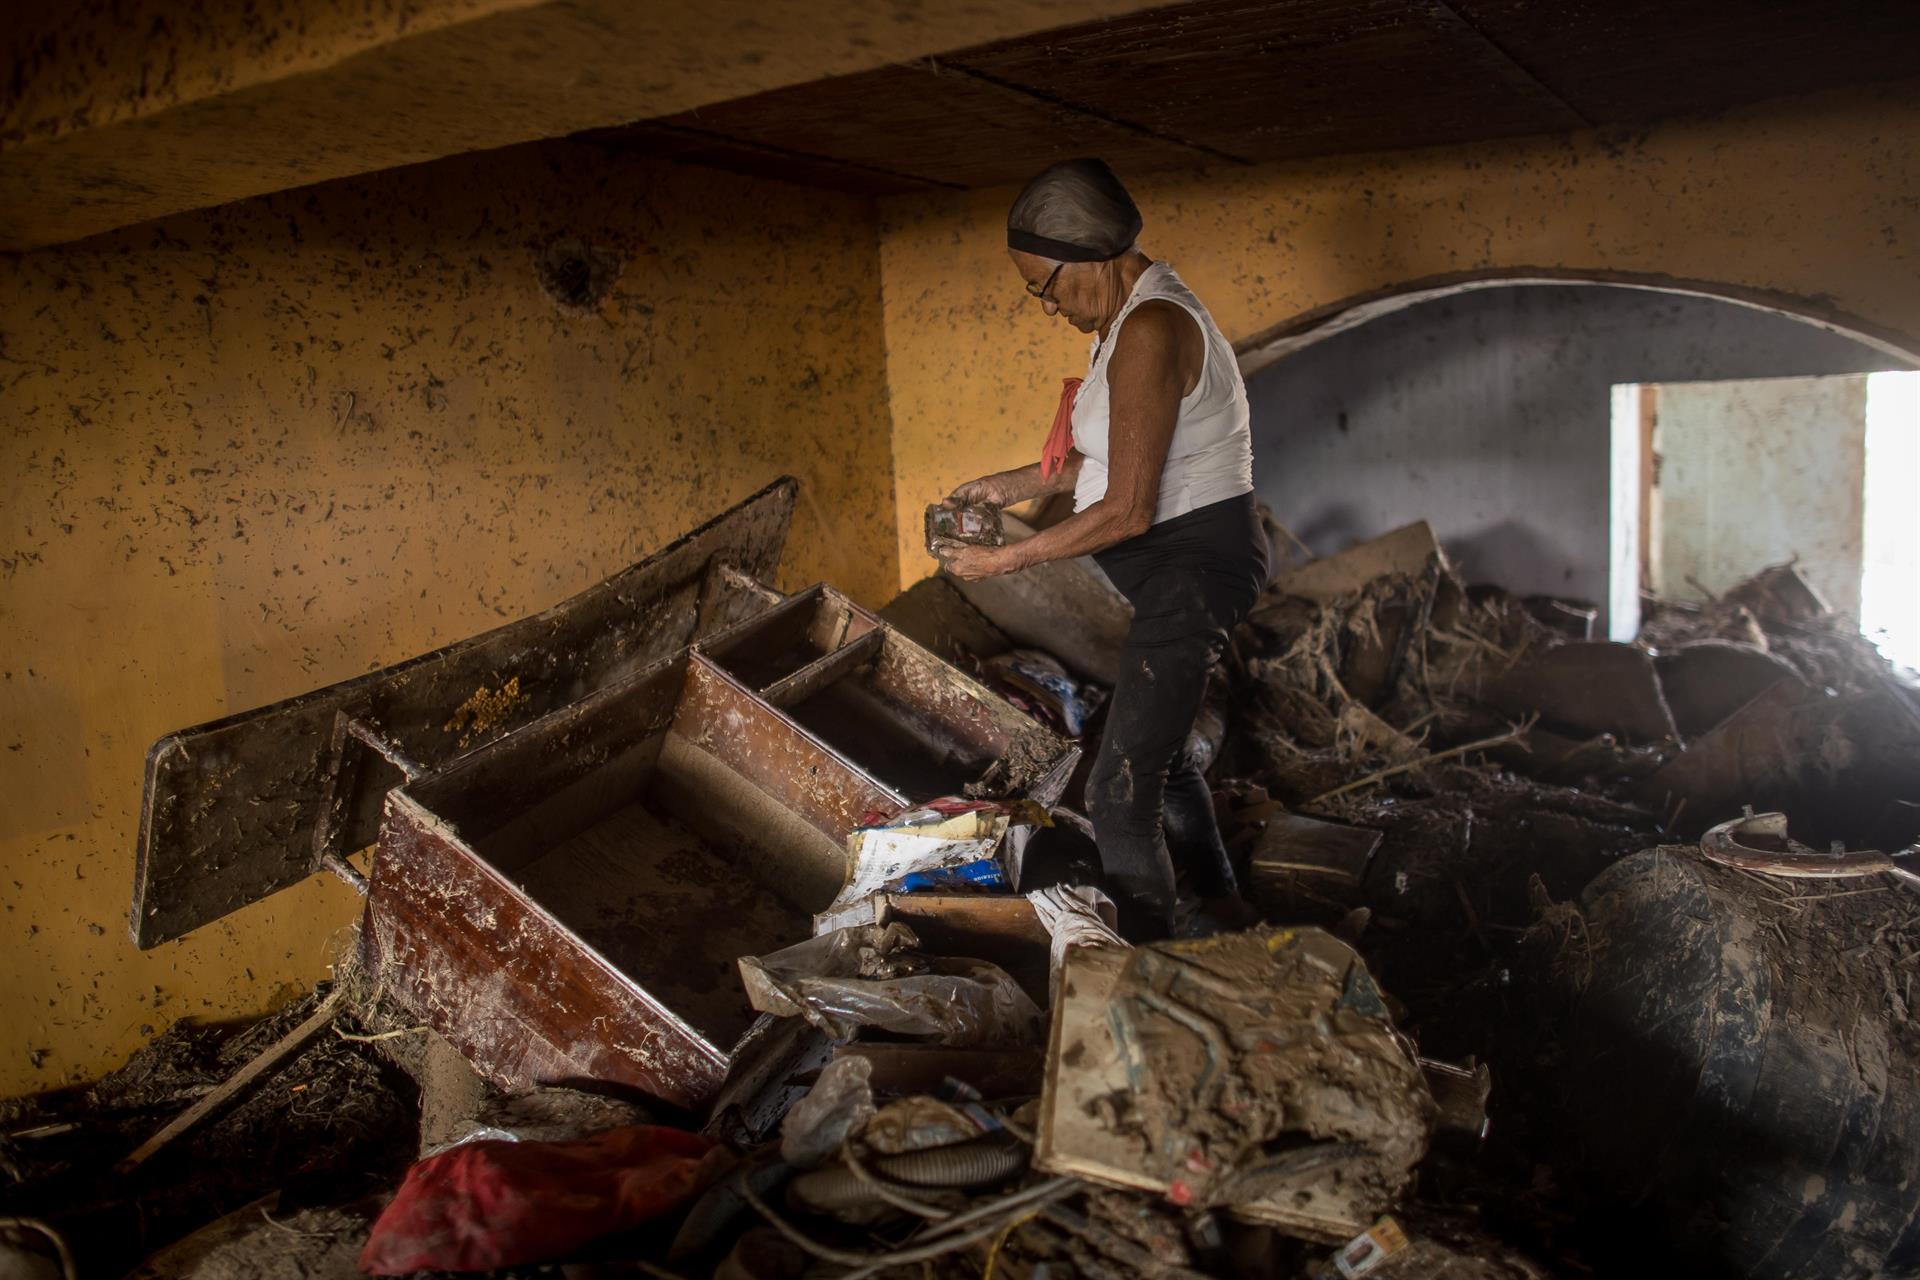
569	901
915	725
237	809
563	895
605	866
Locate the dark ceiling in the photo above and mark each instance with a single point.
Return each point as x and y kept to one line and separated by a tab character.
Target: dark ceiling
1240	81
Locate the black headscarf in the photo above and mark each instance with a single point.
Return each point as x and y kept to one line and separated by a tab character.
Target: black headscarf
1074	211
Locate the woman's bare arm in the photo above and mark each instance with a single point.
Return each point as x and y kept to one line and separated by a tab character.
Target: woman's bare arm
1146	383
1005	488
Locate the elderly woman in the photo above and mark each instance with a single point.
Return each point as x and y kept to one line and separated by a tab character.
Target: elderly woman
1153	443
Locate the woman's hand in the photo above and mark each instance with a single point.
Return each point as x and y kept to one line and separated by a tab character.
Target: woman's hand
970	563
985	489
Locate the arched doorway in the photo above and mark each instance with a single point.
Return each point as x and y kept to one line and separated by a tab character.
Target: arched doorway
1485	406
1319	323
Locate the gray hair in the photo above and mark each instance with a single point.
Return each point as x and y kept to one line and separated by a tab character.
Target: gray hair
1074	211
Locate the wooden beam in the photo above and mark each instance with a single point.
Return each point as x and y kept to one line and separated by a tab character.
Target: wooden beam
265	1064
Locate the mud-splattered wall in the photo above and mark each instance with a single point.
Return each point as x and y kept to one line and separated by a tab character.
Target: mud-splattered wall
1814	199
273	445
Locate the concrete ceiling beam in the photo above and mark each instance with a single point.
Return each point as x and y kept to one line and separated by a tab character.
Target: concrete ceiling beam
130	110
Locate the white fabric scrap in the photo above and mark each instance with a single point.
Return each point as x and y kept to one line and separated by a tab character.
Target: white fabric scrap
1076	916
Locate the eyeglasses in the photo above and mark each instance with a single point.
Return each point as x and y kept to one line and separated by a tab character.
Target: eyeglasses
1041	292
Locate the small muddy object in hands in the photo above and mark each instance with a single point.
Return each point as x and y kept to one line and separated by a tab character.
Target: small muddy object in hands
975	524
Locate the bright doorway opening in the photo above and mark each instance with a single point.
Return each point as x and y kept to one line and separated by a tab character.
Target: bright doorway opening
1890	578
1712	481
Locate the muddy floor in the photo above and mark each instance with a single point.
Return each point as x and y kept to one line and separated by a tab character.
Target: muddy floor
335	1124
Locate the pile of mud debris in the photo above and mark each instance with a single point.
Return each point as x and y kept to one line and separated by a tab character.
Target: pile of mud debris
1580	958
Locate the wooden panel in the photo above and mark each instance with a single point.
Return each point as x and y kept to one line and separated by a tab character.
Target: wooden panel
230	807
1067	607
1587	687
975	715
1307	857
527	781
1633	61
942	125
1002	929
770	647
669	908
809	680
774	754
1265	81
921	729
521	996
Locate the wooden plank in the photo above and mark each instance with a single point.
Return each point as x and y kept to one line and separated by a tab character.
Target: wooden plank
771	645
775	754
920	728
229	807
1002	929
933	614
974	716
1083	1066
1405	552
523	998
1066	607
1312	858
1588	687
816	676
266	1062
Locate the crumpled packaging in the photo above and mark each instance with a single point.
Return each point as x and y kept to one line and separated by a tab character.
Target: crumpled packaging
947	844
873	976
1074	916
837	1108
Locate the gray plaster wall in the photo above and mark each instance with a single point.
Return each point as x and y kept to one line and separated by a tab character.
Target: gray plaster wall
1488	414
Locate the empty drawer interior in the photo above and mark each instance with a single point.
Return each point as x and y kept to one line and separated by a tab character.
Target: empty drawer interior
787	637
909	721
634	819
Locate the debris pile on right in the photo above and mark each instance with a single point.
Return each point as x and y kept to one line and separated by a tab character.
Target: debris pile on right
1623	1021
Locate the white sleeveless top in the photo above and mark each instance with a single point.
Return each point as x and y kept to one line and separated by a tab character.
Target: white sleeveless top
1211	457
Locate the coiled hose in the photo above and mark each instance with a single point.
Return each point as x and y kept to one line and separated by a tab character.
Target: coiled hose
977	1162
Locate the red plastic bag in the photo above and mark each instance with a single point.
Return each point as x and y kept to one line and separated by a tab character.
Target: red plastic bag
491	1204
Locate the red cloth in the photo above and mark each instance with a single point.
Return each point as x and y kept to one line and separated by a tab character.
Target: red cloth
491	1204
1060	439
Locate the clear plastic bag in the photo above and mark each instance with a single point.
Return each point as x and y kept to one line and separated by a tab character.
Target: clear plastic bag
835	1109
871	975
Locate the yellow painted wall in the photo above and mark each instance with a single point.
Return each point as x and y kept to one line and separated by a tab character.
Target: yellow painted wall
1813	198
263	448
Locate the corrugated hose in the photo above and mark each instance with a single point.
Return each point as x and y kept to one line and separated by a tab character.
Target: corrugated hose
977	1162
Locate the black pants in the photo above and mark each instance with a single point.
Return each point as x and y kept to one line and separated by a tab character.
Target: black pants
1190	580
